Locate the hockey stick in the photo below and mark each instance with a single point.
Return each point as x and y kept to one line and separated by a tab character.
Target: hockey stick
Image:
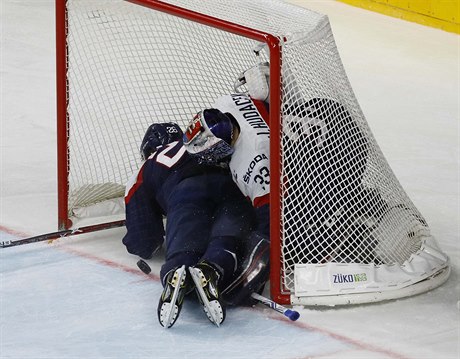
290	313
60	234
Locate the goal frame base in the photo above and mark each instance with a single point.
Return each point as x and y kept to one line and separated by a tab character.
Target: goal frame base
423	286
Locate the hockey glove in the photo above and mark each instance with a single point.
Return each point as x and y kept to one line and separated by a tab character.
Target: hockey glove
257	81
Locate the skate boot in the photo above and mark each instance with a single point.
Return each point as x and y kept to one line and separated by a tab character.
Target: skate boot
205	276
172	298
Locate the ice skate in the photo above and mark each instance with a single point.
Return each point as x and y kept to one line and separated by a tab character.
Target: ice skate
205	276
172	298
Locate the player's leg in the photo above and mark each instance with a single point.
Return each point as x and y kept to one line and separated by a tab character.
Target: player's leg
232	220
187	233
252	272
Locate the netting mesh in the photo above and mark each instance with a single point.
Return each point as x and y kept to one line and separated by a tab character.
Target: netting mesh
339	194
129	66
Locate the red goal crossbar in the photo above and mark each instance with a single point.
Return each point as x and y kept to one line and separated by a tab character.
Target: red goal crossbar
275	97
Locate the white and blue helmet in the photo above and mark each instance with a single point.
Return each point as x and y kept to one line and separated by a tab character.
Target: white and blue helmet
209	136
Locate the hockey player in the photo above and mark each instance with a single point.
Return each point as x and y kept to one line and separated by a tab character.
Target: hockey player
206	217
235	132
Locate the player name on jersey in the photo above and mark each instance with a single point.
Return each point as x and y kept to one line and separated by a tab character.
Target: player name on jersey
249	111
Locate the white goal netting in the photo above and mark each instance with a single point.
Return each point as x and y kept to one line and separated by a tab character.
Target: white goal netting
346	225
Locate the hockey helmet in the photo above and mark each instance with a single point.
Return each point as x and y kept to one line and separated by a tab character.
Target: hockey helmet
209	136
159	134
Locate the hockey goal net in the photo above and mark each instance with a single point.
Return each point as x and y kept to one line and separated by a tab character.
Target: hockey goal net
342	228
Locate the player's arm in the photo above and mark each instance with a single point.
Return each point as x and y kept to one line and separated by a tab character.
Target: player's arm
144	219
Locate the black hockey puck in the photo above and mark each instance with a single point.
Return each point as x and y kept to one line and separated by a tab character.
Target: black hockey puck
143	266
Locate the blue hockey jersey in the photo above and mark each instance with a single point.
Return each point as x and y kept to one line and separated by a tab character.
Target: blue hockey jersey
171	183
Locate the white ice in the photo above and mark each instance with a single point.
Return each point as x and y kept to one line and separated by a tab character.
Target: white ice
83	297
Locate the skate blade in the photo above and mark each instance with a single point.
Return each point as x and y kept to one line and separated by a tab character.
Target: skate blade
170	312
171	308
211	309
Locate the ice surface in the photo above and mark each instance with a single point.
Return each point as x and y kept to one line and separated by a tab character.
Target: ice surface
83	297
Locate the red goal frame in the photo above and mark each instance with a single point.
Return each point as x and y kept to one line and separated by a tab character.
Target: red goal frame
275	54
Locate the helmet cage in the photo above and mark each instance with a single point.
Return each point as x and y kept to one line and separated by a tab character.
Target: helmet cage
203	144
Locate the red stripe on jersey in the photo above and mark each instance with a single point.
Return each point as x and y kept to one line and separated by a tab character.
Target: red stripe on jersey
262	108
260	201
136	185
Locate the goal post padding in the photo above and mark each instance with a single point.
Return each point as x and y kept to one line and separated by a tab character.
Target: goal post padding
342	228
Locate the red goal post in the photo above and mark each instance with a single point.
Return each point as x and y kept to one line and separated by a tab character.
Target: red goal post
62	103
342	228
